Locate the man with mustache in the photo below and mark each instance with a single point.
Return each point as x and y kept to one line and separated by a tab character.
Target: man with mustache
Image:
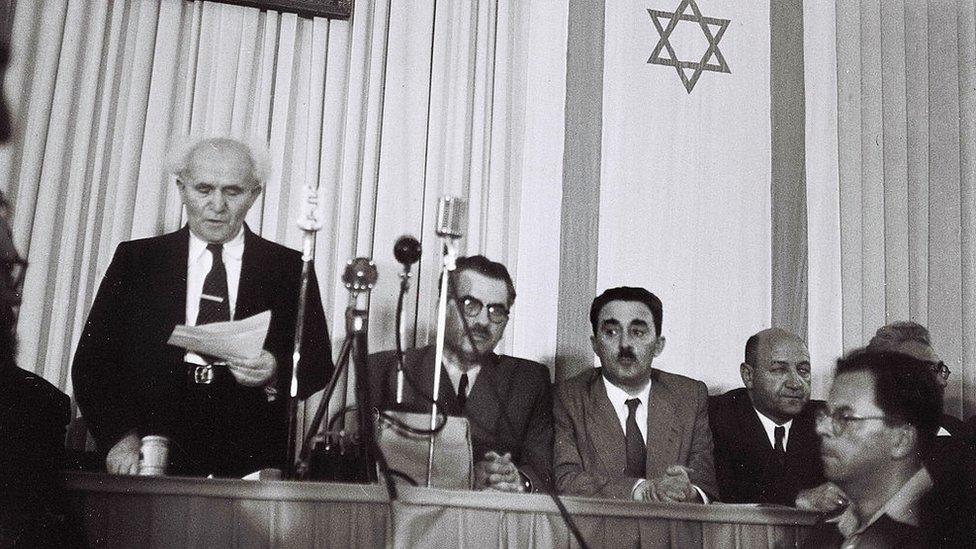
224	416
507	400
626	430
766	446
881	416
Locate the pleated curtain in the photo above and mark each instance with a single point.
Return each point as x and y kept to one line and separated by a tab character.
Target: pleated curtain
386	112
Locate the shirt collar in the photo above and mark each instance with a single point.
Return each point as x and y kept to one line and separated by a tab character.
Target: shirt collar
770	427
233	249
902	507
618	396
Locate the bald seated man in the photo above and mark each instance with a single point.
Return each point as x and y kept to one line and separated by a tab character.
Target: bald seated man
766	446
224	416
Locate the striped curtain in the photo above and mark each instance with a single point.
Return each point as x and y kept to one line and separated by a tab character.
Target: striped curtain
893	205
403	103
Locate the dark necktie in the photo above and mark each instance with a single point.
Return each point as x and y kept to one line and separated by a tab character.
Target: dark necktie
462	391
636	452
214	301
779	433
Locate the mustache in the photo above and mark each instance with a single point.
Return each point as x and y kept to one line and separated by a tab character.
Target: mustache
627	354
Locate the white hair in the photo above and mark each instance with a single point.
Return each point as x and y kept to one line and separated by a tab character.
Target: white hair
178	155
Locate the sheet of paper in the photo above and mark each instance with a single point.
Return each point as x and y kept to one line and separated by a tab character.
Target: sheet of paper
237	339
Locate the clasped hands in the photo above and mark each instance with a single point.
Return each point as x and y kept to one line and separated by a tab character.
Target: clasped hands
497	472
673	486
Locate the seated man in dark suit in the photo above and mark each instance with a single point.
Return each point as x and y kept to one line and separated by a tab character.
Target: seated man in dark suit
881	416
766	446
33	415
507	400
224	417
626	430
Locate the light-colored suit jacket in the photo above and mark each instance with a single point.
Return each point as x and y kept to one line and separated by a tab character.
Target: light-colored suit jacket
590	448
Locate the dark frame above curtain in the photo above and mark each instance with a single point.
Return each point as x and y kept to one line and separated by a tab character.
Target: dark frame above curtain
333	9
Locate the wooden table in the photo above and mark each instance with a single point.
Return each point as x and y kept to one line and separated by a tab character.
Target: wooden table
128	512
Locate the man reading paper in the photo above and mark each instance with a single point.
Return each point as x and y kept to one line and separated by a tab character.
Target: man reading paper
224	416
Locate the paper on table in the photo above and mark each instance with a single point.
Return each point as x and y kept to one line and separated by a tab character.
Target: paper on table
237	339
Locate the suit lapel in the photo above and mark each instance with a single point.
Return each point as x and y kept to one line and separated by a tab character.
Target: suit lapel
169	281
604	428
662	429
249	297
422	372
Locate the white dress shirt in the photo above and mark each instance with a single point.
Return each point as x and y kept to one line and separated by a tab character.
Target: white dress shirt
618	399
454	373
198	265
770	426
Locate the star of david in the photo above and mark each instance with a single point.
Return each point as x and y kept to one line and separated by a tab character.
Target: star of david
706	23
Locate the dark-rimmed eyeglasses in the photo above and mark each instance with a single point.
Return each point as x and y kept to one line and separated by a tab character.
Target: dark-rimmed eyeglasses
940	369
472	306
840	421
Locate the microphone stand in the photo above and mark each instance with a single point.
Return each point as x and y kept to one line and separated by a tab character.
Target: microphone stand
308	256
449	264
359	277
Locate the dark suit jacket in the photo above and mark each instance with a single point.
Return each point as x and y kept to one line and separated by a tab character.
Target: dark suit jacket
126	376
509	406
746	466
590	451
33	416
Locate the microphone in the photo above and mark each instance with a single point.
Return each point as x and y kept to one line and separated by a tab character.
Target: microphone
407	251
310	220
451	213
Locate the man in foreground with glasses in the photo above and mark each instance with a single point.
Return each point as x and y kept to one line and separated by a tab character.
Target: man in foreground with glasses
766	445
627	430
507	400
881	416
33	412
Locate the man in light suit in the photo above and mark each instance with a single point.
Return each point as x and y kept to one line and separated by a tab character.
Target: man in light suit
766	444
507	400
223	417
627	430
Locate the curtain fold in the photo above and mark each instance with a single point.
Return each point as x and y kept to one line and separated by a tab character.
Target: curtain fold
384	112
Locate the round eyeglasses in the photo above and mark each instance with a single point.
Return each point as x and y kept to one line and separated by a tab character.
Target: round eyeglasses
841	421
472	306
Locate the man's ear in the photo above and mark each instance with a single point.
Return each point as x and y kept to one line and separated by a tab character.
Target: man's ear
659	346
745	370
903	442
593	344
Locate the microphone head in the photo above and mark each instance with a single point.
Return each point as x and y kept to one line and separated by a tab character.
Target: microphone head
451	217
407	250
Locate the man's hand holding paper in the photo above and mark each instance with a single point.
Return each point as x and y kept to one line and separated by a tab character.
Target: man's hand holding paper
237	342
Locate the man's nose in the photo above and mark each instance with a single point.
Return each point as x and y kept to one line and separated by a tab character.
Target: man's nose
217	201
793	380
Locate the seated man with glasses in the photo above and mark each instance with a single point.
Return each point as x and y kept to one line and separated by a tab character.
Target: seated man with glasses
881	416
913	339
507	400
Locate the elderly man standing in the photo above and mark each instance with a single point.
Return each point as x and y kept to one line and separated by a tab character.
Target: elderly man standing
627	430
881	415
766	446
130	383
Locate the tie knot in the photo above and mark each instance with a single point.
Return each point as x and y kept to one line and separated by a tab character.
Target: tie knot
780	431
632	404
216	250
